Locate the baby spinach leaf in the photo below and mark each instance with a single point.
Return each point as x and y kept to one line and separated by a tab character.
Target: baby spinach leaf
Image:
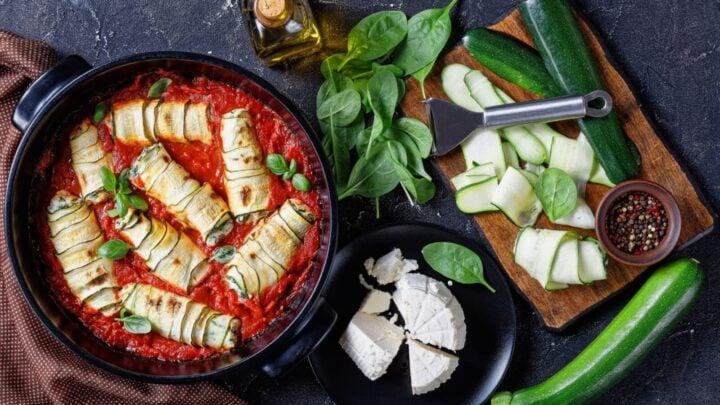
114	249
414	158
428	32
223	254
557	193
135	324
376	35
330	88
372	176
419	133
420	76
383	98
456	262
343	107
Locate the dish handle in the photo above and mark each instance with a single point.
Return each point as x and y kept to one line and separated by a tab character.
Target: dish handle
42	90
320	323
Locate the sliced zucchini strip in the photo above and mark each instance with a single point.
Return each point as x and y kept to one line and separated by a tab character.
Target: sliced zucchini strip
88	157
128	123
169	254
76	236
268	249
170	121
197	123
180	318
196	205
247	181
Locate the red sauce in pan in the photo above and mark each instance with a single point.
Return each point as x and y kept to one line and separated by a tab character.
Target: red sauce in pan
204	163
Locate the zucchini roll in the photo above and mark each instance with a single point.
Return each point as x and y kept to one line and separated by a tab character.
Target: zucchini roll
144	122
247	182
169	253
195	205
267	251
180	318
88	157
76	236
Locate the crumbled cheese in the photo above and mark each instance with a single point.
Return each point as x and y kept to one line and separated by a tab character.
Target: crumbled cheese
390	267
375	302
364	282
372	342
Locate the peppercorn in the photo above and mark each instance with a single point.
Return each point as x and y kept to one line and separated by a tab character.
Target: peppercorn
642	217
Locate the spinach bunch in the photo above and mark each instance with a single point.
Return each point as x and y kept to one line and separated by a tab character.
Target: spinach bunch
370	149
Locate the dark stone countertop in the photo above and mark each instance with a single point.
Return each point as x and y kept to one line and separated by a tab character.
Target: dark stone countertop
669	50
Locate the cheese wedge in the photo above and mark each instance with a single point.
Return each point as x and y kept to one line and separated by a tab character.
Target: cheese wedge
429	367
372	342
431	313
375	302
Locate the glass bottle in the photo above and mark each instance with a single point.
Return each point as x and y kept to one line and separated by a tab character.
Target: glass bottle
281	30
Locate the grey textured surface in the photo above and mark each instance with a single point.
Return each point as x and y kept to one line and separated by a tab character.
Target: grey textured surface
669	50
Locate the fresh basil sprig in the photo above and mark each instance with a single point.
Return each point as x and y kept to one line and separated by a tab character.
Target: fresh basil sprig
456	262
158	88
100	111
135	324
557	193
277	164
223	254
114	249
120	187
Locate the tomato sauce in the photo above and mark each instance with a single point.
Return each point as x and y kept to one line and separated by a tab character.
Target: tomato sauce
204	163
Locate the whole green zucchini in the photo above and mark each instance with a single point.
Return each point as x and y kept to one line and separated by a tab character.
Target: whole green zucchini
653	312
567	58
512	60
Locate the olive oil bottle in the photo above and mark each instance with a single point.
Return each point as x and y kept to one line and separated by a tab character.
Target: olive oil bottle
281	30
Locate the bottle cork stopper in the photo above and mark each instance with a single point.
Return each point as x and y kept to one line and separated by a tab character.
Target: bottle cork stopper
273	13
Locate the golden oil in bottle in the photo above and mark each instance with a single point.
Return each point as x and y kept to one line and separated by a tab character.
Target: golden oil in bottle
281	30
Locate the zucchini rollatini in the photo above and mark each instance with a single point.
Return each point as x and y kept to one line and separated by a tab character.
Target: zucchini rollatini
88	157
144	122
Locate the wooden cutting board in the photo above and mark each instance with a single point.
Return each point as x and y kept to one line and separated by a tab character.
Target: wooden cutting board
558	309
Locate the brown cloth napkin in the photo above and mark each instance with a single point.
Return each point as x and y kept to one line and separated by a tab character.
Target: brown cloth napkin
34	367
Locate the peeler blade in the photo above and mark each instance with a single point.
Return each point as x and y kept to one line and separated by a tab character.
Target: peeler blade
450	124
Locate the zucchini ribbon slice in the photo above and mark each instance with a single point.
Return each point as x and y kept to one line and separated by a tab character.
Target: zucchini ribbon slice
170	254
196	205
180	318
247	182
144	122
267	251
88	157
76	236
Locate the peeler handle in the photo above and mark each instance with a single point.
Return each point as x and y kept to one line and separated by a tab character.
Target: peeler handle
548	110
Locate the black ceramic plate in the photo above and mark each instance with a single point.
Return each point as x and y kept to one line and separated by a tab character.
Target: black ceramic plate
490	320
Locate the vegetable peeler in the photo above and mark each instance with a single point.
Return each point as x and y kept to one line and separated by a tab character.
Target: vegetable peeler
452	124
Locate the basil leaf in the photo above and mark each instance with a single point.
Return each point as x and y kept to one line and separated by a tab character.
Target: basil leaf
123	183
557	193
158	88
428	32
292	168
383	97
276	163
376	35
137	202
109	180
300	182
121	204
113	249
100	111
420	76
455	262
343	108
135	324
223	254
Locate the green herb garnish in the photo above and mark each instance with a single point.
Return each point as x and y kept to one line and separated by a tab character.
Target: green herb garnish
456	262
114	249
120	188
300	182
136	324
158	88
223	254
557	193
100	111
277	164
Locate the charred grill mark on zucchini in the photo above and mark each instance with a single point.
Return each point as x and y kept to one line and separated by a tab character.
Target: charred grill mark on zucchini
87	159
266	253
76	236
247	182
169	254
196	206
